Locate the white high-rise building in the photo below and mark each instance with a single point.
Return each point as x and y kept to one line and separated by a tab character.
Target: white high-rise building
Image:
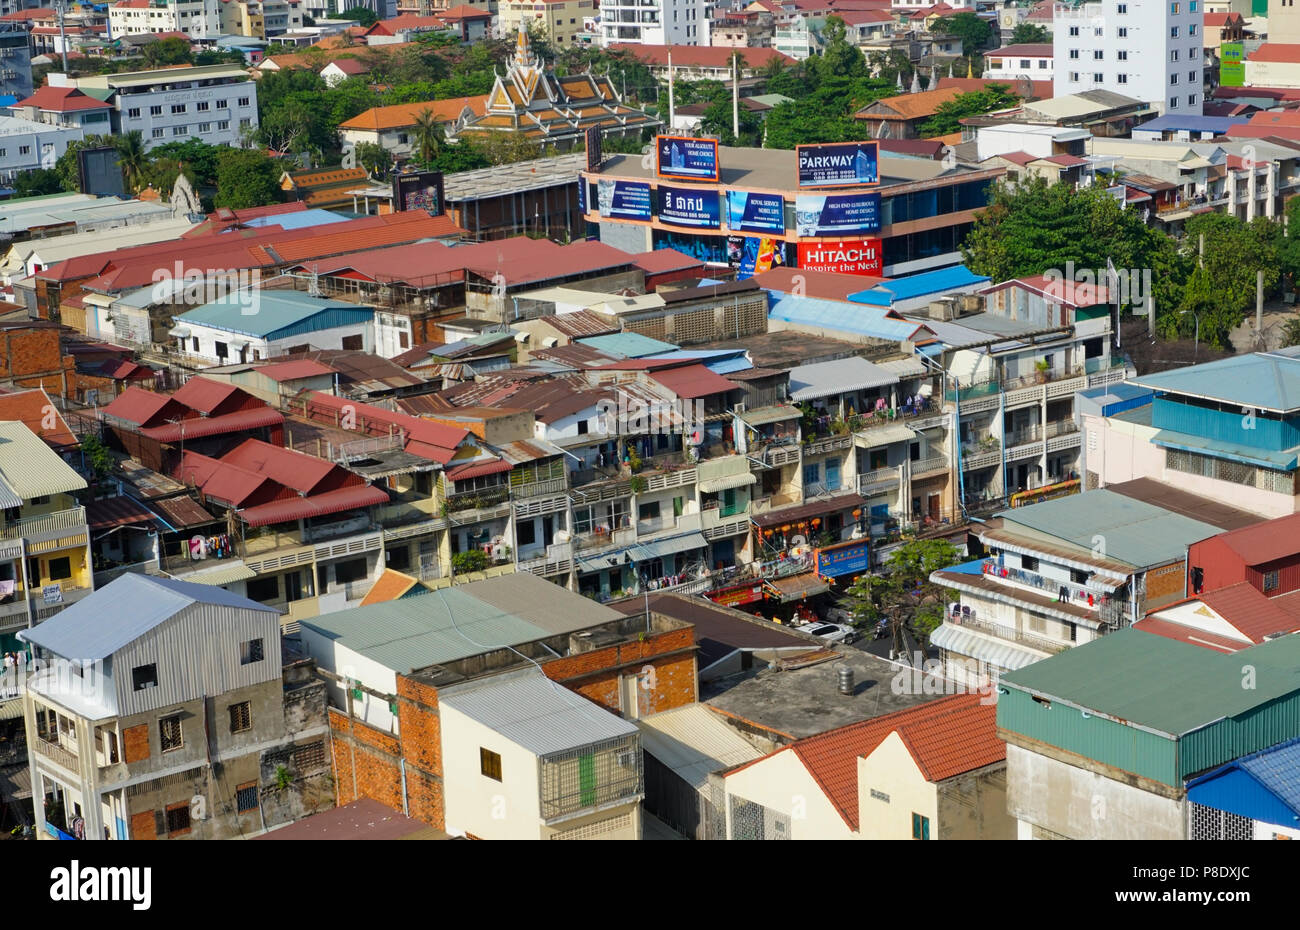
198	19
654	22
1147	49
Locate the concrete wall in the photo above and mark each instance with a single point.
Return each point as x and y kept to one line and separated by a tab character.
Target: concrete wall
973	806
1070	801
890	770
782	783
509	809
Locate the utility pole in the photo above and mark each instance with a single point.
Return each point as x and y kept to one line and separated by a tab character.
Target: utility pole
63	38
735	97
672	105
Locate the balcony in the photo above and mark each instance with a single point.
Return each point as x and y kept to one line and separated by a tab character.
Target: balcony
56	753
539	488
773	502
1039	582
593	542
877	480
1008	633
932	465
46	526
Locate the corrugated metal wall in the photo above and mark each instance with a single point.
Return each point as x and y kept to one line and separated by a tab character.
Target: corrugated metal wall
1220	566
197	653
1288	575
1126	748
1224	425
1262	727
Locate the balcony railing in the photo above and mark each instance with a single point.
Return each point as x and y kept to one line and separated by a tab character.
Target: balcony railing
48	523
539	488
931	464
1009	633
877	478
57	753
476	500
1051	586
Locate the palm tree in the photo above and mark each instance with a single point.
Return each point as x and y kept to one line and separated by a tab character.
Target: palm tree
133	158
427	137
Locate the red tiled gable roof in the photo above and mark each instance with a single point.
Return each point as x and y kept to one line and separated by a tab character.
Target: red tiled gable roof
465	11
945	737
695	56
390	27
1069	294
402	115
32	407
1276	52
226	483
1222	19
858	17
1066	161
62	100
1017	158
22	15
144	408
1250	610
1036	90
208	396
348	66
391	585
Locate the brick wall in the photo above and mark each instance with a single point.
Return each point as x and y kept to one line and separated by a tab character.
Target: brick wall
365	762
595	675
417	715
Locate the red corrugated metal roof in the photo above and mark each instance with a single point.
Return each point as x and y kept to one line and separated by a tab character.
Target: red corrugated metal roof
298	470
661	261
1249	610
281	511
399	228
477	469
33	408
227	483
290	371
136	405
204	394
198	427
181	512
115	511
693	381
424	437
1265	542
1189	635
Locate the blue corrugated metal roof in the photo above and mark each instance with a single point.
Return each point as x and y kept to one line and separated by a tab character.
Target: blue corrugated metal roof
1192	122
123	611
1264	786
1260	380
975	567
835	314
718	361
628	345
1250	455
1116	398
918	285
275	313
300	220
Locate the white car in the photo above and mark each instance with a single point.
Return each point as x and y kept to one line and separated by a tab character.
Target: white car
830	632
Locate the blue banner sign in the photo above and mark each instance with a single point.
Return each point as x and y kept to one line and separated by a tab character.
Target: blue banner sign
687	158
582	195
760	213
848	559
685	206
838	164
628	200
837	214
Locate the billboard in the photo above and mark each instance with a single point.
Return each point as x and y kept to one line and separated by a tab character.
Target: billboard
758	255
851	558
760	213
686	158
689	206
100	172
582	195
850	256
418	190
838	164
837	214
629	200
595	148
1232	65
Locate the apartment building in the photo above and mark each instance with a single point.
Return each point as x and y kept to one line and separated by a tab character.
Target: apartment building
1103	741
66	108
168	710
15	62
1060	573
1224	430
216	104
559	20
260	19
655	22
198	19
44	538
256	324
26	145
1139	48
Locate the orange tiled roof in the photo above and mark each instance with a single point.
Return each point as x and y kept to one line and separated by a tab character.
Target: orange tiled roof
910	106
401	115
391	585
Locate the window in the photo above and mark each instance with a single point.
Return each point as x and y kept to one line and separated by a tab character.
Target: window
1191	7
202	106
812	474
222	350
246	797
251	652
1122	32
354	343
1074	77
1098	55
205	127
169	733
133	113
352	570
178	819
1074	53
223	125
1074	30
1042	64
180	130
1191	100
583	427
1024	62
404	340
1191	77
920	827
248	122
1173	79
144	676
1191	30
1173	9
241	717
60	568
527	533
1173	55
263	589
155	111
1173	103
1122	55
178	108
24	150
1098	31
1193	53
221	104
1173	32
648	511
490	763
156	133
243	101
1270	581
1098	77
1121	9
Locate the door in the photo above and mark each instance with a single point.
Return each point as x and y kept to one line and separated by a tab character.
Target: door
934	507
832	474
293	586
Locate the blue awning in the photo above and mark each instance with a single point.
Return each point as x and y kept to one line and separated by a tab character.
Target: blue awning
661	548
1249	455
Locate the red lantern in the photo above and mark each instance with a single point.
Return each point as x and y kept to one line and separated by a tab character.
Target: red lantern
817	521
857	513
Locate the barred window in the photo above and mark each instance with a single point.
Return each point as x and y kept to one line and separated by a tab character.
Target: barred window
311	756
169	733
246	797
1209	823
241	717
1265	479
178	819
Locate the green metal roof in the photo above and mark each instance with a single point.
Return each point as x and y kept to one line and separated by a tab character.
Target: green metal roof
1262	381
1131	530
1163	684
629	345
271	313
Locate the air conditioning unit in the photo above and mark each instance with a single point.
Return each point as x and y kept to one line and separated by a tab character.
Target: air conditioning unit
626	759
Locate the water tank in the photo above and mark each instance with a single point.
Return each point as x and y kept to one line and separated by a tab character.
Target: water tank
846	679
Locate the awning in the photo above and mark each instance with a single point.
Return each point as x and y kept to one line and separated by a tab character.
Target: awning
805	511
230	572
299	508
477	470
994	652
114	512
910	367
662	548
237	343
180	332
883	435
727	482
771	415
797	587
602	562
1250	455
235	422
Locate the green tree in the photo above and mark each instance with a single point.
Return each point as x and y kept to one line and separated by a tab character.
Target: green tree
462	155
133	158
97	458
948	116
973	31
471	560
426	136
38	181
246	178
903	593
361	15
66	166
1030	34
504	148
199	158
172	51
1291	332
374	158
717	121
839	57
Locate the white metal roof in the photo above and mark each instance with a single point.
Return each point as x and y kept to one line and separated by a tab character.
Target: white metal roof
694	742
30	467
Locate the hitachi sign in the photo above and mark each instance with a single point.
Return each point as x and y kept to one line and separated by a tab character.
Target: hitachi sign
848	256
840	254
